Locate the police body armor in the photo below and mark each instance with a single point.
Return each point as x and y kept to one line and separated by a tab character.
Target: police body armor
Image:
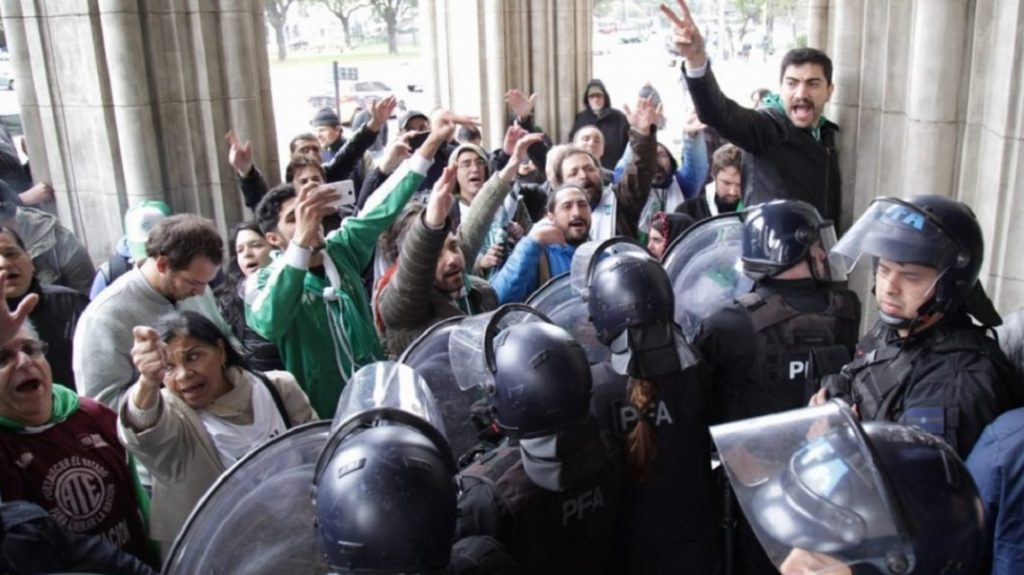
554	531
877	381
784	338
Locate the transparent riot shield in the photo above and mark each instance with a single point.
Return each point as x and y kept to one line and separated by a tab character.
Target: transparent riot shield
705	267
258	517
813	492
429	356
560	301
469	345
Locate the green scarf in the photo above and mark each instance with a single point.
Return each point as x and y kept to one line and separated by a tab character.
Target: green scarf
65	404
775	101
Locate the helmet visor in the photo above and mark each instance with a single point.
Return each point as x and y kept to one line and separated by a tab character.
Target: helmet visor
387	384
808	482
587	255
559	301
898	231
469	343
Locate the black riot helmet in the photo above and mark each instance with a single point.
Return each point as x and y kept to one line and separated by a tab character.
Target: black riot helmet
879	497
384	488
628	290
778	235
386	501
536	373
541	379
928	230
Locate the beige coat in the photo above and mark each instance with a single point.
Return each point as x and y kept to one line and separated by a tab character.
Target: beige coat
179	453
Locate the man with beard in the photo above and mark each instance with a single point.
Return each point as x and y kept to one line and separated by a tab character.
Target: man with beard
615	209
791	146
673	185
547	250
434	251
725	193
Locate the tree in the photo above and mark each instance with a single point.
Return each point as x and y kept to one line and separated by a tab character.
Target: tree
344	9
391	12
277	15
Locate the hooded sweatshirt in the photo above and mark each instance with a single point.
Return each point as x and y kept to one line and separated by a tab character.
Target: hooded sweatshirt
612	123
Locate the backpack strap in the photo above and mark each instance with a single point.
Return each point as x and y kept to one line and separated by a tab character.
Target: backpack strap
276	396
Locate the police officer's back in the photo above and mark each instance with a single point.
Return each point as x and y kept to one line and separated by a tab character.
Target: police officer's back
650	395
758	348
551	499
925	362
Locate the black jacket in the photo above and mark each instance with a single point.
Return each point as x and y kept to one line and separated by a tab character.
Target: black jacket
668	525
55	318
32	542
958	382
612	123
782	161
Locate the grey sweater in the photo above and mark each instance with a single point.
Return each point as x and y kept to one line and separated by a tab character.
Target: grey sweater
102	359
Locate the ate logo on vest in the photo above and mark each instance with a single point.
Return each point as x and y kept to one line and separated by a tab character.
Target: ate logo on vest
78	487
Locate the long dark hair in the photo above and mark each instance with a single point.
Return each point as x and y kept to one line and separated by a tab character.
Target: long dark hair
641	445
231	305
198	326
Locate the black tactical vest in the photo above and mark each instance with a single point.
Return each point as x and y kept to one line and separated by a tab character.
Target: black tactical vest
879	379
784	338
553	532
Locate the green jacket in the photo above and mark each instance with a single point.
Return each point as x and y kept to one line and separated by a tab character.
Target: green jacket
323	341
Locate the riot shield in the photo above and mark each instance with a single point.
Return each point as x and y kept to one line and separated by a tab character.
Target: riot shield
809	483
560	301
258	517
705	266
470	343
428	355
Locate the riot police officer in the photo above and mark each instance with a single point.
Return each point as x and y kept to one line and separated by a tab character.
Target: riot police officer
758	348
552	499
925	362
826	494
651	396
384	489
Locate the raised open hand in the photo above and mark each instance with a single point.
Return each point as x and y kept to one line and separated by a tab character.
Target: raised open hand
520	105
642	116
440	201
380	112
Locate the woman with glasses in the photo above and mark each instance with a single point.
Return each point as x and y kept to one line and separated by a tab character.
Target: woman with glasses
60	451
195	410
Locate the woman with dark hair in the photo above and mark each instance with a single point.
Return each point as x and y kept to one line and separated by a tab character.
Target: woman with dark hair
210	412
54	316
666	227
251	252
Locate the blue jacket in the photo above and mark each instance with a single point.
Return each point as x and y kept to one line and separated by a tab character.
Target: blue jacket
997	464
520	276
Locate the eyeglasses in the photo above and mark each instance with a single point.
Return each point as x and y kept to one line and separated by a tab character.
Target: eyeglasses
467	164
30	347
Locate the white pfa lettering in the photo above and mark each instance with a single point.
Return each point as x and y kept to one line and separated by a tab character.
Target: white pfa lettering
587	503
796	368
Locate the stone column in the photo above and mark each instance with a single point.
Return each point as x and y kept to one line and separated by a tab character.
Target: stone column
817	24
485	48
846	58
937	54
126	100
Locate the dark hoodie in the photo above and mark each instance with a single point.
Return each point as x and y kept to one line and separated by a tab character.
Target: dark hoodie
612	123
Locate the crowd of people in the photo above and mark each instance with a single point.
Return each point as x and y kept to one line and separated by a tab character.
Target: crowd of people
781	436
